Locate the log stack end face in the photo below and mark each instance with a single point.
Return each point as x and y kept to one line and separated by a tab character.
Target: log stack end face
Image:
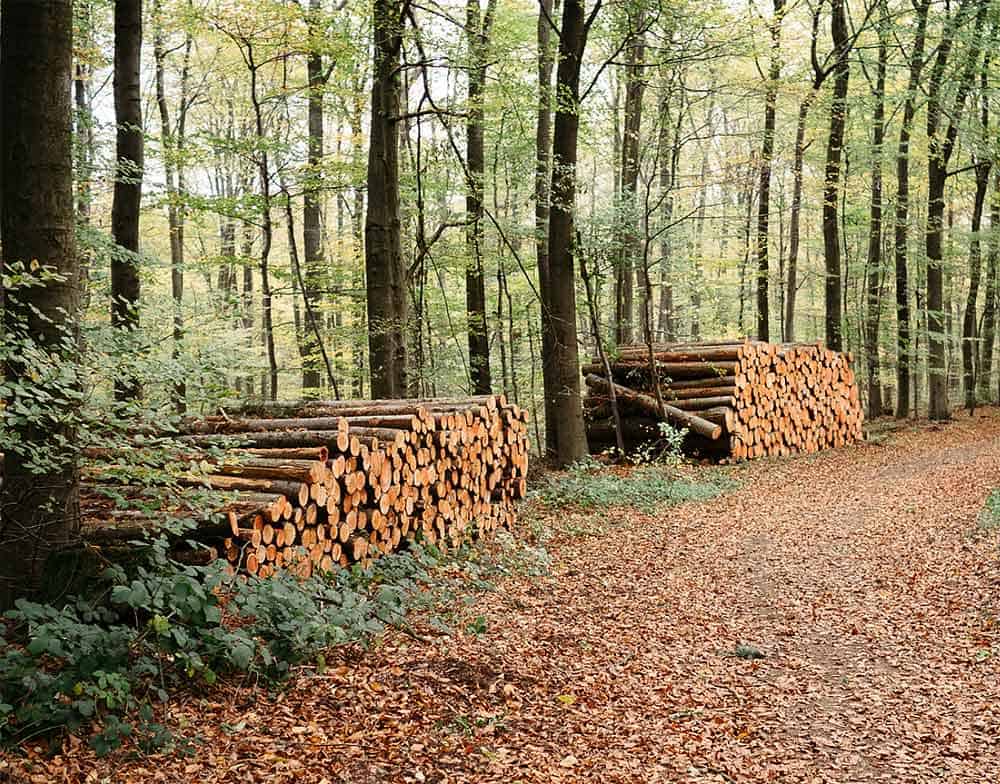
326	483
768	399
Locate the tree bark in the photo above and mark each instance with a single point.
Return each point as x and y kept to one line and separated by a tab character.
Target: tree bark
901	219
543	174
874	264
939	150
312	229
172	144
668	154
39	506
990	307
571	440
831	178
983	166
628	234
477	29
128	176
766	157
982	172
267	227
385	270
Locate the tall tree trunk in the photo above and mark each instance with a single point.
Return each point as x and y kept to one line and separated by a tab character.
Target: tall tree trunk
359	297
85	145
39	503
831	178
697	248
766	157
267	227
969	336
939	150
628	234
668	155
982	169
874	266
477	29
901	220
312	230
385	270
571	440
543	147
128	176
990	308
172	146
795	217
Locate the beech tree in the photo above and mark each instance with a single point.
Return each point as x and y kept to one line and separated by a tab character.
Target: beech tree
39	496
940	147
128	174
831	178
766	154
385	271
564	389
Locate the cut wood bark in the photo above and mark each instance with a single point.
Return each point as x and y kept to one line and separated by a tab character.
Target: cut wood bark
650	406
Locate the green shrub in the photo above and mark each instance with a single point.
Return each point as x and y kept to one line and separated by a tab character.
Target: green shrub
589	485
114	655
989	517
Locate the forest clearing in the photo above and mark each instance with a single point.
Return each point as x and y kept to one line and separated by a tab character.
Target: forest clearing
499	390
860	575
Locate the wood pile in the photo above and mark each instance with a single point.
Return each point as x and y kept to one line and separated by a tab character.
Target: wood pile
314	485
739	399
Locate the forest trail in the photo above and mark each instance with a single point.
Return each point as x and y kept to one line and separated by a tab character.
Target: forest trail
857	572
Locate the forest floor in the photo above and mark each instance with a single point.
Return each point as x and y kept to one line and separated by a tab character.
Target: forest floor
860	574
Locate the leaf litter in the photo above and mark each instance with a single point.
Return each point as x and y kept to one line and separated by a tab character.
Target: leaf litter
859	575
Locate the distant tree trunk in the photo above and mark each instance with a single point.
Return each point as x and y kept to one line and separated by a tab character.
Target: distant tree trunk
543	147
312	229
982	170
172	143
766	157
267	227
939	150
628	234
39	505
874	267
831	179
990	308
85	145
902	216
795	216
478	35
697	249
128	176
668	153
385	270
571	440
359	298
794	220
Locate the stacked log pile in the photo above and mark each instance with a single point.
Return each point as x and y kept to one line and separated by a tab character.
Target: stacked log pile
739	399
324	483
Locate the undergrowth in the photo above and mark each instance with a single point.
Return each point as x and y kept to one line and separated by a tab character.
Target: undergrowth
106	664
989	517
591	485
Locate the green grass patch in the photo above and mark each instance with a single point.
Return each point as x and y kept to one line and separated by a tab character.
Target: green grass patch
590	485
989	517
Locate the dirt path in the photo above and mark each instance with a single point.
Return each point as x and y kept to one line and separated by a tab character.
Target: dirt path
855	572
